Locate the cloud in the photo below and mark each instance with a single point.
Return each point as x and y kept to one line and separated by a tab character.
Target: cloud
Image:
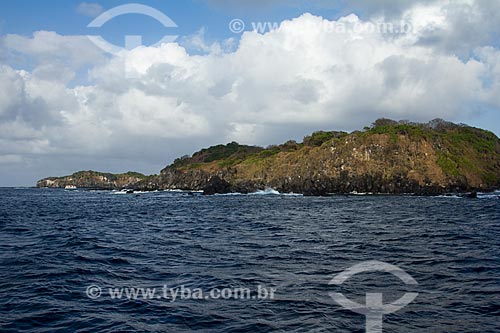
245	5
50	48
152	104
458	27
89	9
364	8
389	8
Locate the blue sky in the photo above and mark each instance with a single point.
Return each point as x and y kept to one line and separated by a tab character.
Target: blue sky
24	17
67	105
65	18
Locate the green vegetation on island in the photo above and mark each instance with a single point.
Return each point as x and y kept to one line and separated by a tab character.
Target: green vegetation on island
387	157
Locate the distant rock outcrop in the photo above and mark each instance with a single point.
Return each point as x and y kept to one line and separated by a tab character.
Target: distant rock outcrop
94	180
388	157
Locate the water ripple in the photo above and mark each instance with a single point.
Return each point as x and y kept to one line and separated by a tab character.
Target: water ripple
57	243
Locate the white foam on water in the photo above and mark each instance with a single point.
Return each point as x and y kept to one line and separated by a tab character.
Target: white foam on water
228	194
182	191
450	196
292	194
361	193
490	195
267	191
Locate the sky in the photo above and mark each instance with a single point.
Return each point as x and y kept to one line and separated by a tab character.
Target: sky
184	75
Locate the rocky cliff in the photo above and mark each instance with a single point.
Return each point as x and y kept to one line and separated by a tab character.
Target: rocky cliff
94	180
388	157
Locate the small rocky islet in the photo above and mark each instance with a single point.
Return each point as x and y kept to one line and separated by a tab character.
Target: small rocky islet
388	157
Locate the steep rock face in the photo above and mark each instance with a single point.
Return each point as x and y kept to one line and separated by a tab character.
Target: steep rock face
389	157
94	180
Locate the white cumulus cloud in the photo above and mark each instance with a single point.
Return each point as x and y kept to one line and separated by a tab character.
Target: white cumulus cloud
151	104
89	9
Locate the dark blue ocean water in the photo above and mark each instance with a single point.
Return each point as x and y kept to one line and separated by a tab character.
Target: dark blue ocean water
56	243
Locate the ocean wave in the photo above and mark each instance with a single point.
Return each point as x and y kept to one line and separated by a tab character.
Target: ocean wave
450	196
490	195
361	193
480	195
292	194
182	191
229	194
267	191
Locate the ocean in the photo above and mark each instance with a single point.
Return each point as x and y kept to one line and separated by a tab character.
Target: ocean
99	261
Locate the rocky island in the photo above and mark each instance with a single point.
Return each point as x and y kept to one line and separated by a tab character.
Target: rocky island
94	180
389	157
